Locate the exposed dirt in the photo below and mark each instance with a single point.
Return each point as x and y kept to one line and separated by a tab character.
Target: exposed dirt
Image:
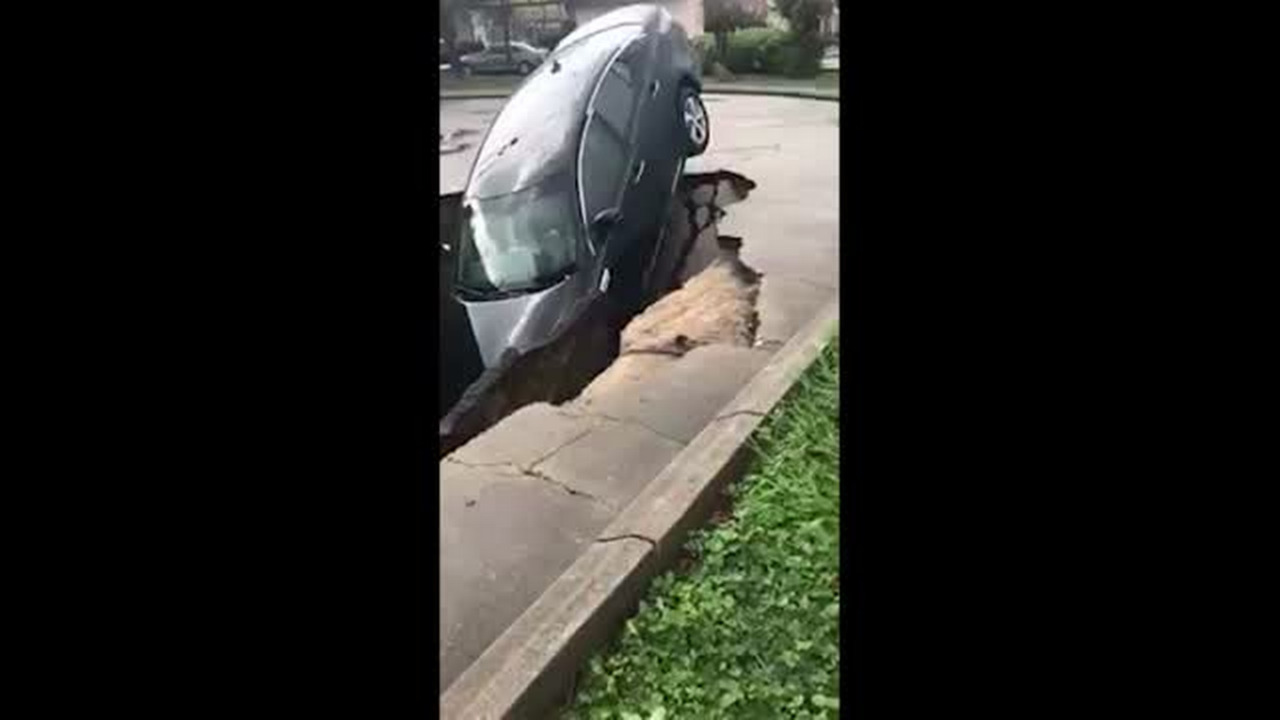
718	306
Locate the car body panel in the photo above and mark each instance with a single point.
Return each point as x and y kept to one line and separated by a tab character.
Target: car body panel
602	110
535	134
524	322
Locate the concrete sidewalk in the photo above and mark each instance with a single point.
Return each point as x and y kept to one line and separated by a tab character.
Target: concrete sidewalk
521	502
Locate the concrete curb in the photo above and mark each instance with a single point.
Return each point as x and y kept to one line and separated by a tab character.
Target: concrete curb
707	90
530	668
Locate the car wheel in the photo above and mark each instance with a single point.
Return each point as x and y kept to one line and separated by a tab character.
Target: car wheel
695	121
524	68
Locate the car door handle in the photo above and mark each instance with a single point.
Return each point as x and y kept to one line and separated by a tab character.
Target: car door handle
639	173
653	88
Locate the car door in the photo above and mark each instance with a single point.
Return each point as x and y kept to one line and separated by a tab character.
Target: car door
615	108
660	151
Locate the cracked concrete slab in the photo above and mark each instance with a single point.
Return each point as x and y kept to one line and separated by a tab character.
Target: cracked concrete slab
681	395
500	552
787	305
613	462
526	437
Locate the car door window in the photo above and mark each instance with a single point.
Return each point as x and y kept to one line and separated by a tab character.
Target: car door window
604	160
615	100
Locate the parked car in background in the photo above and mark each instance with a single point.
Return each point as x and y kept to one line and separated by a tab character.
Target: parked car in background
522	58
569	193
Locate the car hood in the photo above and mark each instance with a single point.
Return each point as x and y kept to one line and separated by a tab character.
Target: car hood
525	322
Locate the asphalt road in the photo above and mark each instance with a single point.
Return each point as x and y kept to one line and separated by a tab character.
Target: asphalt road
789	225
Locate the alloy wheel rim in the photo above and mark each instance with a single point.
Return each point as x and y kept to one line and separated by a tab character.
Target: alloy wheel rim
695	120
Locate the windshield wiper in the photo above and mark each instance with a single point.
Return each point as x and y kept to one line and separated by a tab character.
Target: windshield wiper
542	282
490	293
476	293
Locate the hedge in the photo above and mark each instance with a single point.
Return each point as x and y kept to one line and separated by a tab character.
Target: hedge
764	50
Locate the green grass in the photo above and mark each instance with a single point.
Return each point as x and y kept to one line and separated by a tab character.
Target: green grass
752	630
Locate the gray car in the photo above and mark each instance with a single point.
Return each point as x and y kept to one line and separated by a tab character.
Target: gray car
569	193
517	57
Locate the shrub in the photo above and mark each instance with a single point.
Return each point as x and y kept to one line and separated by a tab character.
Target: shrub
763	50
704	48
800	56
753	50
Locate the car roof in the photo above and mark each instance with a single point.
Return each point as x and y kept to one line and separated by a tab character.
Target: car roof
647	16
536	133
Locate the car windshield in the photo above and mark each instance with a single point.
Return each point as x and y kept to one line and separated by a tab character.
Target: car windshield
521	242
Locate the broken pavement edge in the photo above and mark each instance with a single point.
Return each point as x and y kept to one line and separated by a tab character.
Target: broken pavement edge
530	669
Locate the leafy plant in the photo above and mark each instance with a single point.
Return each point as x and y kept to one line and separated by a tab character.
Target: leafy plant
804	18
721	17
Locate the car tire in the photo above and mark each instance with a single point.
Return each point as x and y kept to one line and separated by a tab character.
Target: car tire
694	121
524	68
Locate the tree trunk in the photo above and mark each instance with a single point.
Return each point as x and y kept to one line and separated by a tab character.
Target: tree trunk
506	29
